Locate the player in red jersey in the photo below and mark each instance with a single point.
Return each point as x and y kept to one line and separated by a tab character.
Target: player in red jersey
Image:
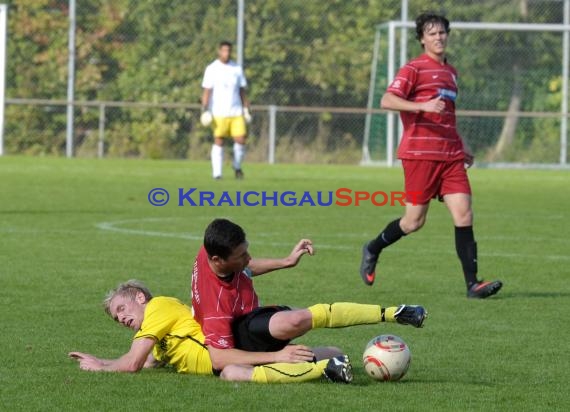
432	152
239	331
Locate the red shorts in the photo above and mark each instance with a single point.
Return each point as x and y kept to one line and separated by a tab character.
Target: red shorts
427	179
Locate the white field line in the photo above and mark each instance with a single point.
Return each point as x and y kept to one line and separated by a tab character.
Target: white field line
115	227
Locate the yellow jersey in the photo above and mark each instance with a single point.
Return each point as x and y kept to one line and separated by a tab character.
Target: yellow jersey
179	338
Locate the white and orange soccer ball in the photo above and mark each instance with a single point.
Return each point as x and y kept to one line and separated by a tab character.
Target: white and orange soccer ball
386	358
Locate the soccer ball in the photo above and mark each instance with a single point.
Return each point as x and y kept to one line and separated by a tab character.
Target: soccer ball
386	358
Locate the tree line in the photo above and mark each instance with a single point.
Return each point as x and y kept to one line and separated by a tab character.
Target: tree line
297	52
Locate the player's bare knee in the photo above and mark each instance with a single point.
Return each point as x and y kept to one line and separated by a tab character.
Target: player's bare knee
228	373
412	225
290	324
463	218
300	320
236	373
419	223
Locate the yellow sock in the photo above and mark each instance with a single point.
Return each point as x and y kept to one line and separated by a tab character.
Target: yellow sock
341	314
289	372
389	314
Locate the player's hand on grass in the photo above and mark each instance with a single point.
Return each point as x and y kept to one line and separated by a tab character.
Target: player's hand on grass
303	247
294	354
87	362
436	105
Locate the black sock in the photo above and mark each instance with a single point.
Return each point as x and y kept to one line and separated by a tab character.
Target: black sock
391	233
466	248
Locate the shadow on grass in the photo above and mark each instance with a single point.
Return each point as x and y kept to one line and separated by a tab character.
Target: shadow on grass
545	294
448	381
362	381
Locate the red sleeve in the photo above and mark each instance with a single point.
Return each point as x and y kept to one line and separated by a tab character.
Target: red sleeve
208	306
404	82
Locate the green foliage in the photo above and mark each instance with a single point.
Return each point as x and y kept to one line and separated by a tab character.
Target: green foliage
297	52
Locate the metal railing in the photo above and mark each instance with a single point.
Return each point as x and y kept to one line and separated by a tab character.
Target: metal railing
270	124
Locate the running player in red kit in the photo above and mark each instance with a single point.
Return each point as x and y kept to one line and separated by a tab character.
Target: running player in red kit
432	152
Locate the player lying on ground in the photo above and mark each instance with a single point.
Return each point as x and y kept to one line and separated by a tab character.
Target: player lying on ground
433	154
226	305
166	333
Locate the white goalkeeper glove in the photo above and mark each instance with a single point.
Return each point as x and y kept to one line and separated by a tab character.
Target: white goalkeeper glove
206	118
246	115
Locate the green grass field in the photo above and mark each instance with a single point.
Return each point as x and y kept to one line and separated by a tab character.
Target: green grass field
72	229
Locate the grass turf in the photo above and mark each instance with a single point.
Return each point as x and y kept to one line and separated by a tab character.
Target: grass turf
72	229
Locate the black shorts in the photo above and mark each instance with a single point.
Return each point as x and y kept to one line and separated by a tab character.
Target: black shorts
251	331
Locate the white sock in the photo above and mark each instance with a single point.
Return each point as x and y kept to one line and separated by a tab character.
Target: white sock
217	156
239	152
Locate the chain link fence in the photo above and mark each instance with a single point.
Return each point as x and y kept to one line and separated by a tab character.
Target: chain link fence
150	55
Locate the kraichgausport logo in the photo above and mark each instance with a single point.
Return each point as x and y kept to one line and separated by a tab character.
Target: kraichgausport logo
340	197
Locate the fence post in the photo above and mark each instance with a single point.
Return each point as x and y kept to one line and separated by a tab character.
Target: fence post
101	143
70	81
370	103
240	29
272	131
3	30
565	70
390	131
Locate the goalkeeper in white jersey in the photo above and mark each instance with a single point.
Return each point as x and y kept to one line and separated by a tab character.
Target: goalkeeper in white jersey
225	107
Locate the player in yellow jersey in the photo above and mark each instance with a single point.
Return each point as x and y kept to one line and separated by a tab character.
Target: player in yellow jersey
167	333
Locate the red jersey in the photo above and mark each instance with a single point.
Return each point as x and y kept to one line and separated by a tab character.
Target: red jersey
428	136
216	303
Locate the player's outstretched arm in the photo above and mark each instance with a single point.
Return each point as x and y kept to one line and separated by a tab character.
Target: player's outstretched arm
133	361
290	354
261	266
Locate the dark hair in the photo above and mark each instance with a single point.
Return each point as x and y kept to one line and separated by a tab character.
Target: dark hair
225	43
425	20
222	237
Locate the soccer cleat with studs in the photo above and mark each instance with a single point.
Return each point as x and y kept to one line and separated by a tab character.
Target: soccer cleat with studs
482	289
339	369
368	265
411	315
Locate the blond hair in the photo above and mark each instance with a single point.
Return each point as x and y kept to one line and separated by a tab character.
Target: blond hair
129	289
